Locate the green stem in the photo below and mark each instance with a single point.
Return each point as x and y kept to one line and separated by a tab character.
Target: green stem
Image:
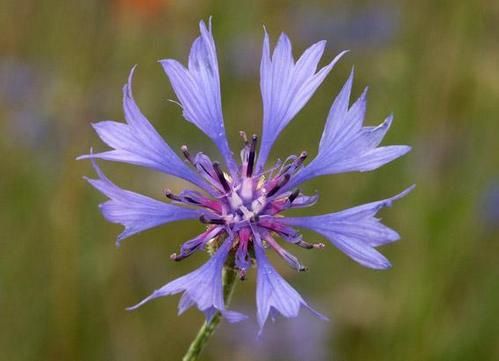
229	282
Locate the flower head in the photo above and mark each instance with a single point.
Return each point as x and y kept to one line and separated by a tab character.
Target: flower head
241	204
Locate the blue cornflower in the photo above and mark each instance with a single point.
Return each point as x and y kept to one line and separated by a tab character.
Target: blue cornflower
241	207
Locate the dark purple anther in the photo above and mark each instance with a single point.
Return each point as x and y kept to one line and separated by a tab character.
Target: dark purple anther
293	195
221	177
279	185
170	195
251	157
206	220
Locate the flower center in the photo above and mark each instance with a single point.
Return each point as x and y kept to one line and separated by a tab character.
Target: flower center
245	204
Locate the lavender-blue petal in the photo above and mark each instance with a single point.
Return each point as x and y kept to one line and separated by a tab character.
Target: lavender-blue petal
198	90
202	287
287	86
273	293
137	142
135	211
355	231
346	145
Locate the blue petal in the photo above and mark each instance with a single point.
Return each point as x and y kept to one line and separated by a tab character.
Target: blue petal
347	146
287	86
198	90
355	231
202	287
273	293
137	142
135	211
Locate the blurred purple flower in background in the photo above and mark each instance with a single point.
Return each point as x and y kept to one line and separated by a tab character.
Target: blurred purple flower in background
25	89
302	339
18	81
363	28
489	205
242	205
358	28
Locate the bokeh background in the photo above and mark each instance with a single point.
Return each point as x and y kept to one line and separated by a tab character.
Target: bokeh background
63	284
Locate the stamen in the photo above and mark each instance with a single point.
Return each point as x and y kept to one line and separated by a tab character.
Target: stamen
299	161
285	232
293	195
187	155
221	177
191	200
308	245
285	169
203	219
279	185
287	164
251	157
178	257
271	171
170	195
288	257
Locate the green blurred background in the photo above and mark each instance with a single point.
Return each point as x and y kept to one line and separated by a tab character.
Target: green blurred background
64	285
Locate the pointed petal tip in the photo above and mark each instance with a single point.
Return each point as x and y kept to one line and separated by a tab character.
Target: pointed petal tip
86	156
347	86
283	36
321	43
384	266
141	303
381	263
133	308
202	24
388	121
130	78
336	58
123	235
407	148
406	191
341	54
389	202
392	237
317	313
170	65
283	41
